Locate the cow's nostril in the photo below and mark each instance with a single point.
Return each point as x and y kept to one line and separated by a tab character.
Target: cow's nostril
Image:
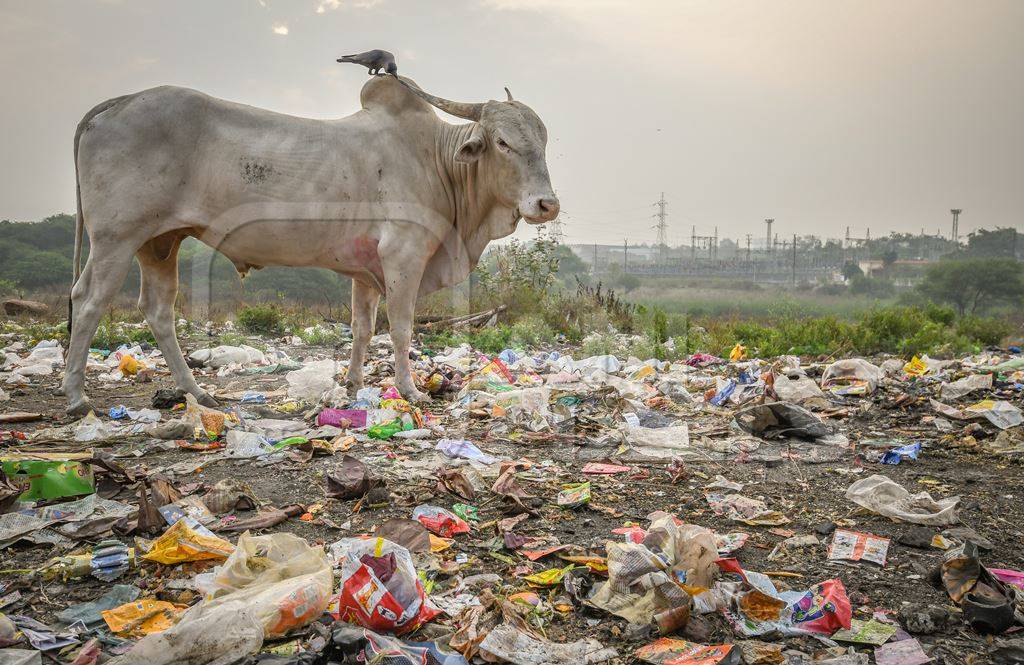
548	205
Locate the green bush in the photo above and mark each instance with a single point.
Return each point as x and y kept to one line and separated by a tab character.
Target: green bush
984	330
260	319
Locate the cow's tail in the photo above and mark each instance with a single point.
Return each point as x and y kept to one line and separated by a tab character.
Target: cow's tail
79	216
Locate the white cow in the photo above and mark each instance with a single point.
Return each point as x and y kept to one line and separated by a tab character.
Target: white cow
392	196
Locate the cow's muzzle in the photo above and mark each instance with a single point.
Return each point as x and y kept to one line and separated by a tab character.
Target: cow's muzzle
540	209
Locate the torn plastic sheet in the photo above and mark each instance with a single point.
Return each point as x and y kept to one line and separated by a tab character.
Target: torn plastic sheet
1003	415
659	442
968	384
509	643
27	523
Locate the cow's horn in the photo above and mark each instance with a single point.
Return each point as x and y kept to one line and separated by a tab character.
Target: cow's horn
509	93
458	109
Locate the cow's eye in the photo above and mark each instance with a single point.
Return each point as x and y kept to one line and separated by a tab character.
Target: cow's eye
503	146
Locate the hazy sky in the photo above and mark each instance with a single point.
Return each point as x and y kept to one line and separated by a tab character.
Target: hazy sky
819	113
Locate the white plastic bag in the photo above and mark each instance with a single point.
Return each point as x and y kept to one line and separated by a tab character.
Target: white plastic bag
312	381
222	356
796	389
269	586
883	496
851	374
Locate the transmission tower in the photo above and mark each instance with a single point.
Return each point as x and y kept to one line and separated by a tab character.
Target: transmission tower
956	224
662	227
768	238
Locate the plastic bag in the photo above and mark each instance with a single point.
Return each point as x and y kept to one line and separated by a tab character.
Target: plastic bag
883	496
142	617
130	366
853	376
443	522
182	543
379	587
286	582
242	445
312	381
217	637
92	428
796	389
222	356
206	422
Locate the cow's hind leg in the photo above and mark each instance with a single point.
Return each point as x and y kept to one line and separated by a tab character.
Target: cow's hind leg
158	260
364	318
99	282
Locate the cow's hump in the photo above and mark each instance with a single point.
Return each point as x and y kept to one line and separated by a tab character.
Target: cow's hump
387	93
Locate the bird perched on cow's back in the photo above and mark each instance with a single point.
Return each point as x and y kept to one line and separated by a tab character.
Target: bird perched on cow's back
375	61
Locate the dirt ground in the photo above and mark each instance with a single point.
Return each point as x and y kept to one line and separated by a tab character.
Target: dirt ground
808	489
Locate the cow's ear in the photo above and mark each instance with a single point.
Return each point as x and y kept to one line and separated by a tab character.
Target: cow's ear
473	148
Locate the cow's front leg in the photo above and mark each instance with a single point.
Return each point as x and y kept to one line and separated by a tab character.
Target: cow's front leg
402	281
364	319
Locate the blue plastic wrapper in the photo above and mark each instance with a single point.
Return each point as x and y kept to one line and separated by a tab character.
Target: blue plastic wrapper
720	398
749	376
897	455
118	412
253	397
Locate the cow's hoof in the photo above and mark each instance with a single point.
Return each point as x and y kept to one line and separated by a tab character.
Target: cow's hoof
80	408
353	388
58	391
415	396
206	399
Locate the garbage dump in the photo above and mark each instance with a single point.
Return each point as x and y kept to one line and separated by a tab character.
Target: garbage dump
544	506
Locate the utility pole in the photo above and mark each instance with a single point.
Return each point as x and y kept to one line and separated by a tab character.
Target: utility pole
595	258
625	254
794	259
956	225
693	243
662	227
715	253
768	240
748	248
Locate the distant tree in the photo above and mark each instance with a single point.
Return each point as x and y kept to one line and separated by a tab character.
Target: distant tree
971	285
1000	242
869	286
851	270
568	262
889	257
628	282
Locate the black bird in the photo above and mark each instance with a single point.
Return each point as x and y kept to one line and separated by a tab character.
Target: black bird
375	61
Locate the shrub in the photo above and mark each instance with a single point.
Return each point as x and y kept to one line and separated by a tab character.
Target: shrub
984	330
260	319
